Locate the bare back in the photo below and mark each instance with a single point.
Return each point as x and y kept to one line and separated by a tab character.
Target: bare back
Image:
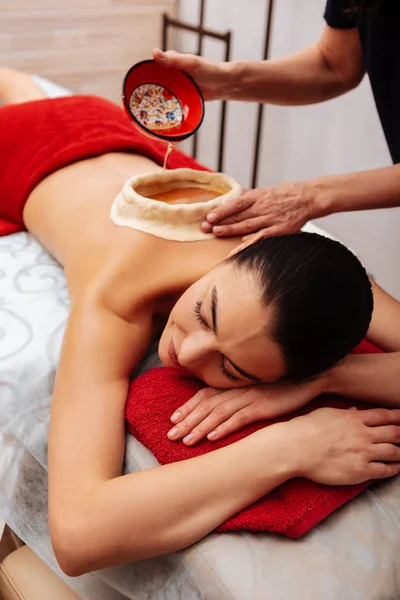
68	212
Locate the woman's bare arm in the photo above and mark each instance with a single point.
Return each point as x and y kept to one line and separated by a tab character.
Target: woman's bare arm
374	378
98	518
384	330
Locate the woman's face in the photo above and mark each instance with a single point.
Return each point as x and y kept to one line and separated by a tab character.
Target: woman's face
218	331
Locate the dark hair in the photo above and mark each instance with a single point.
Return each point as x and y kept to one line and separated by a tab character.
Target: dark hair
320	295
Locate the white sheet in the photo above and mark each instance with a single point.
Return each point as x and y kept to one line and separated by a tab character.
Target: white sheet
353	555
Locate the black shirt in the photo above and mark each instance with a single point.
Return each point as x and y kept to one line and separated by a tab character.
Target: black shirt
379	31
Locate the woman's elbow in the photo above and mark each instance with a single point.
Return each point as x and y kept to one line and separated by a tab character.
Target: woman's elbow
71	546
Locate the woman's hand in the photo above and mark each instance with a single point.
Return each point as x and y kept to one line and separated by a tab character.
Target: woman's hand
345	447
214	413
263	212
212	78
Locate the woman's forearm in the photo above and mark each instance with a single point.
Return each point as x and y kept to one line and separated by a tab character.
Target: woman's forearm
377	188
372	378
98	518
170	507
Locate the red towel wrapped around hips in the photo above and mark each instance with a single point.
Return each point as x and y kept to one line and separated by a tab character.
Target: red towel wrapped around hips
292	509
43	136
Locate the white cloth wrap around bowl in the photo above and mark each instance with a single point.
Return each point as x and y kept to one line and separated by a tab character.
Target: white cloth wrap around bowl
177	222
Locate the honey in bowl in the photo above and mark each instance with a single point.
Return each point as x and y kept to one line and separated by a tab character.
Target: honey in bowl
178	195
172	204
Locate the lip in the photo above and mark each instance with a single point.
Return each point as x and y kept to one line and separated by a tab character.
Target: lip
172	353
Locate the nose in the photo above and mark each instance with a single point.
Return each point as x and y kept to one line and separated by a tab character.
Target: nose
194	350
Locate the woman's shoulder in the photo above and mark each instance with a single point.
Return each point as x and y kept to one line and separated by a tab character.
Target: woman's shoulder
138	271
129	279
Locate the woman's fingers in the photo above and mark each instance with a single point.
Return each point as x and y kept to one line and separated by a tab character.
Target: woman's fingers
379	470
224	404
183	411
380	416
386	433
237	421
213	426
385	453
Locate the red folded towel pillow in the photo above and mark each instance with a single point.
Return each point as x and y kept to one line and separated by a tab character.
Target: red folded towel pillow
292	509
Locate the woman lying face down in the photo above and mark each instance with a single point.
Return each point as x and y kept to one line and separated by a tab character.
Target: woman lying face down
287	307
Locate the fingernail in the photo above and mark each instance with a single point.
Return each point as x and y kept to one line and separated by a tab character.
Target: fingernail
173	433
212	217
206	226
218	229
175	417
212	435
246	237
188	438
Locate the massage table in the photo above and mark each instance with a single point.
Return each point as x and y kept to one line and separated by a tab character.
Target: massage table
352	555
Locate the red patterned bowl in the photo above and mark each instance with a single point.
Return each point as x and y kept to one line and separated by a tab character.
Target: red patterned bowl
163	103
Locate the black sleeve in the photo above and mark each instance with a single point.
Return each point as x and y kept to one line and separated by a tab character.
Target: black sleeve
337	14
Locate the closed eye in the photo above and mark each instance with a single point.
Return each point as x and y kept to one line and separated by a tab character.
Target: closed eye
197	312
203	323
226	372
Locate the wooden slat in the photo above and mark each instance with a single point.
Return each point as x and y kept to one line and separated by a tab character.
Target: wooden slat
86	45
55	5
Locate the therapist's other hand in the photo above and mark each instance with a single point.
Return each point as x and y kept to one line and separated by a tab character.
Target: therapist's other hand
263	212
208	75
215	413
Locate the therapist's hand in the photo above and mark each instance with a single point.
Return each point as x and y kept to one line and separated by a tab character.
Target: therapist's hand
263	212
215	413
212	78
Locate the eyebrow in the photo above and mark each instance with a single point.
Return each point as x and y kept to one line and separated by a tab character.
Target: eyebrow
214	304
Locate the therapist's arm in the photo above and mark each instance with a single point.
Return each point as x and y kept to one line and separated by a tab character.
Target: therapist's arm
377	188
319	72
285	208
327	69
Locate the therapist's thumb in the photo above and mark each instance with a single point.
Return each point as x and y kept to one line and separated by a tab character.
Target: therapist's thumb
183	62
